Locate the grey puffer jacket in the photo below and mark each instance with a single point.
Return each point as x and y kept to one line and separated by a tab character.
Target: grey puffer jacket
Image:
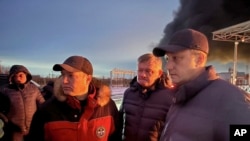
143	110
204	110
23	101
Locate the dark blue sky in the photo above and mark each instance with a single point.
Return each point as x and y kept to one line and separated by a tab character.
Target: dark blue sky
110	33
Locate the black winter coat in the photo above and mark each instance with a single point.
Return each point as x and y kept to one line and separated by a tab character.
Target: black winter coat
204	110
143	110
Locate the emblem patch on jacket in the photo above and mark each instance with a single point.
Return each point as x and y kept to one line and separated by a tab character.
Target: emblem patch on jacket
100	132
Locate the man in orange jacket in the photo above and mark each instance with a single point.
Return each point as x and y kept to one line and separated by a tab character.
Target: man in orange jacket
74	113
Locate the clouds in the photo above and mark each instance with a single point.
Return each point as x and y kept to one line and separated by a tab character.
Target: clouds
110	33
208	16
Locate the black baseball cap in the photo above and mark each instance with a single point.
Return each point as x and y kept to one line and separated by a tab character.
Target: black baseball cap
75	64
183	39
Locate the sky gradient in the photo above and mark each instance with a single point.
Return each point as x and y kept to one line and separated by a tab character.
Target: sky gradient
110	33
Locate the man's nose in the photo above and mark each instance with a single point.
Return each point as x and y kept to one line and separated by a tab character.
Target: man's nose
169	65
65	79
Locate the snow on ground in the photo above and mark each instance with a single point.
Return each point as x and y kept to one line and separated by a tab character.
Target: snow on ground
117	95
116	90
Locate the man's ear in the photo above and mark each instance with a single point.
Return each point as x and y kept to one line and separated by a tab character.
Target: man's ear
89	78
200	60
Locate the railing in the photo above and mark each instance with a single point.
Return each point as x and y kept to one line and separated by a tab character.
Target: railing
245	88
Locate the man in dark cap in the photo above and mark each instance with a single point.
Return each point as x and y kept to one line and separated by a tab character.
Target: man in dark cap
204	105
20	99
74	112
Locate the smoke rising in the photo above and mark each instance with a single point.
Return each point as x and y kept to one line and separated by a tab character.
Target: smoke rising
208	16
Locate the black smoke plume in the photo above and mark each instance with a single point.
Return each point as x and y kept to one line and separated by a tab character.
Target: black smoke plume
208	16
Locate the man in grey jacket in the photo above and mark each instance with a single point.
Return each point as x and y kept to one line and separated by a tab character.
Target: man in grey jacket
205	106
21	100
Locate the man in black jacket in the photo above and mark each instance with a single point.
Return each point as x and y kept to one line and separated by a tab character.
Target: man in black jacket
146	102
205	106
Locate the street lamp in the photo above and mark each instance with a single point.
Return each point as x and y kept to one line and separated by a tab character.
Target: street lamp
235	62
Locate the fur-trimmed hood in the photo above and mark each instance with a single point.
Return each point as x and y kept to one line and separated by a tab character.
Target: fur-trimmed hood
100	94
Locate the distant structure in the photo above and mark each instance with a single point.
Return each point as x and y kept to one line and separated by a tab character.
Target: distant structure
3	79
120	77
236	33
242	79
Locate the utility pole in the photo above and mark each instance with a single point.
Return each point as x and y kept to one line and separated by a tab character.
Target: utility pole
235	62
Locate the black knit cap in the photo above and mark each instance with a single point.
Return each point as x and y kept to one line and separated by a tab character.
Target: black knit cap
75	64
183	39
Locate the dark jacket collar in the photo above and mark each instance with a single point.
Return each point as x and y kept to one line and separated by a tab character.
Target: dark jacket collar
145	93
192	88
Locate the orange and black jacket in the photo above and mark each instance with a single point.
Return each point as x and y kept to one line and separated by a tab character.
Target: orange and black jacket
58	120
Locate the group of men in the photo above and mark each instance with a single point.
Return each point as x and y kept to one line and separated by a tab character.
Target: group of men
196	105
